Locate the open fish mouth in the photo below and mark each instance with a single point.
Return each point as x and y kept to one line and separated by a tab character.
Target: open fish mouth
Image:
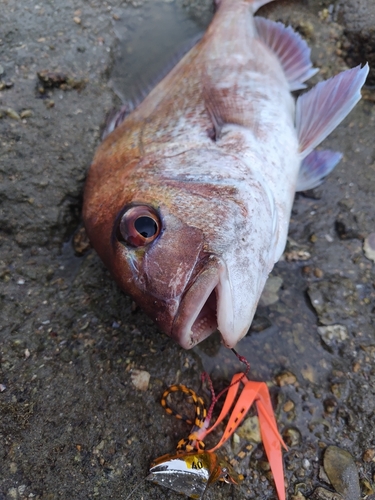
206	306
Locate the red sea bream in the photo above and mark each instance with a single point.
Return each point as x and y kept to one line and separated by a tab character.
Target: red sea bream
189	197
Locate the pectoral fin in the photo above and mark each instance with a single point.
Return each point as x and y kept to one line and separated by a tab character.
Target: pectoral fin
320	110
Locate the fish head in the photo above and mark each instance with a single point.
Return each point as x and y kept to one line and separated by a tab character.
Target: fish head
185	247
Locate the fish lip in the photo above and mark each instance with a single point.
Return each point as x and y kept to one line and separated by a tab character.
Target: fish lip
197	298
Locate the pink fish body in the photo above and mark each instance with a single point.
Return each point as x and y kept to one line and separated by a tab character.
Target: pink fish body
188	199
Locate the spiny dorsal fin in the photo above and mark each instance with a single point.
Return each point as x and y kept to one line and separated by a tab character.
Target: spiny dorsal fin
291	49
320	110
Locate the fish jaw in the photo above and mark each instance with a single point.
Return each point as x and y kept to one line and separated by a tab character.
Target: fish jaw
206	306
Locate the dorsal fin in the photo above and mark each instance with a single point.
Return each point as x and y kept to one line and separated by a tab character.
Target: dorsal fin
291	49
320	110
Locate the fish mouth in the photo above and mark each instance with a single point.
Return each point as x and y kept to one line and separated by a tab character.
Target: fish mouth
206	306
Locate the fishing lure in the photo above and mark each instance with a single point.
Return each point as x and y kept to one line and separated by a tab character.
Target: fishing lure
192	469
192	473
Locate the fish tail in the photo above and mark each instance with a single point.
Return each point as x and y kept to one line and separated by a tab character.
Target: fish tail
255	4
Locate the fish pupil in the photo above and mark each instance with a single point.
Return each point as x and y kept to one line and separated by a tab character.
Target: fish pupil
146	226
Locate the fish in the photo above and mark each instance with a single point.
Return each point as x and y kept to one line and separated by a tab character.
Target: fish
188	198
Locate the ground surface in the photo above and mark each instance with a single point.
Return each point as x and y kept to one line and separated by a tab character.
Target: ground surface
72	424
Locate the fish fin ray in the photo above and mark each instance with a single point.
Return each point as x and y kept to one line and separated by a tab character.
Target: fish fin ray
224	109
319	111
115	118
143	88
291	49
316	166
214	112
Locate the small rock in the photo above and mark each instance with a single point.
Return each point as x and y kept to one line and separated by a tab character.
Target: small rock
140	379
306	464
236	438
6	85
26	113
298	496
323	494
286	378
249	430
288	406
270	292
333	334
369	455
342	472
12	494
81	242
2	387
346	226
297	255
330	405
333	299
347	203
369	246
292	437
318	273
12	114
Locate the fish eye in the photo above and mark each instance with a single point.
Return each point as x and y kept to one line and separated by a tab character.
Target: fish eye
139	226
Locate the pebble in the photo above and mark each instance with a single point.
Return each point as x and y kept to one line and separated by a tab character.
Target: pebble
286	378
12	493
12	114
26	113
249	430
342	472
81	242
333	334
270	292
369	246
298	496
140	379
318	273
292	437
323	494
369	455
288	406
297	255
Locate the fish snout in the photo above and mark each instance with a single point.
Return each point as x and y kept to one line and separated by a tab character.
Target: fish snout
206	306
